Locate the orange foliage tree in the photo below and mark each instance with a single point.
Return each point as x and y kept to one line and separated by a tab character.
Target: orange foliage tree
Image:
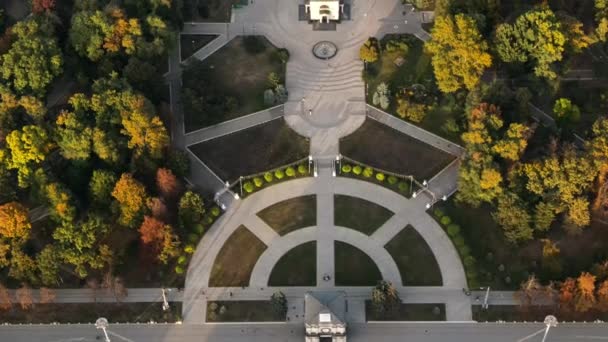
602	295
566	293
159	237
584	298
24	297
39	6
14	222
5	298
168	185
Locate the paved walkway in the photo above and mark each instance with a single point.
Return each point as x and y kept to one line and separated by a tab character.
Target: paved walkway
407	211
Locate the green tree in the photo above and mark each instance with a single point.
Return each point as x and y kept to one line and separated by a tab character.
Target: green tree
101	186
23	267
28	148
544	215
190	210
385	300
460	54
370	50
48	262
536	37
512	216
74	137
33	60
566	111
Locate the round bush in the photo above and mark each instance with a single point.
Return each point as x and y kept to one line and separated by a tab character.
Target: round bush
302	169
392	180
380	177
465	251
403	187
290	172
189	249
248	186
179	269
453	229
199	229
268	177
458	241
445	220
346	168
182	260
208	220
438	213
192	238
368	172
279	174
469	261
215	211
258	182
357	170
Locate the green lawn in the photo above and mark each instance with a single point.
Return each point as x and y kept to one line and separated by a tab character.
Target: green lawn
380	146
236	259
410	312
232	73
298	267
359	214
291	214
256	149
242	311
89	312
190	43
414	258
353	267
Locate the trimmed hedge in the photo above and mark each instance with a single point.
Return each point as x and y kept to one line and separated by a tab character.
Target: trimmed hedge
346	168
392	180
357	170
258	182
302	169
459	241
279	174
438	213
403	187
199	228
290	172
445	220
268	177
248	186
380	176
189	249
453	229
215	211
368	172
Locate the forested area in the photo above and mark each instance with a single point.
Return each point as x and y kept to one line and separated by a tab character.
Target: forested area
89	186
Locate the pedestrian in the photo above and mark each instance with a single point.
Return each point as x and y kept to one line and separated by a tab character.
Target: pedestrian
310	112
230	293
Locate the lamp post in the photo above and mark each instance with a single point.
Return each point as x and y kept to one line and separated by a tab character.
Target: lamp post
165	303
102	323
550	321
485	299
309	163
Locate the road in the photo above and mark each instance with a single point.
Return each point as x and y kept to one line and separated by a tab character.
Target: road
385	332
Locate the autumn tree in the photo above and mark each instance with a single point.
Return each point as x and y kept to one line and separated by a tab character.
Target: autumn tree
47	295
100	187
584	296
6	302
190	210
168	185
23	267
24	297
601	17
74	138
602	295
535	37
370	50
14	221
28	148
42	6
159	238
48	262
566	294
33	60
131	197
61	202
460	54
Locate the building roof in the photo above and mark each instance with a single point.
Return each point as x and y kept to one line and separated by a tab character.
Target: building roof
325	307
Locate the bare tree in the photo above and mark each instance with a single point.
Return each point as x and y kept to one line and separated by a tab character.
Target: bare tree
24	297
93	284
5	299
114	285
47	295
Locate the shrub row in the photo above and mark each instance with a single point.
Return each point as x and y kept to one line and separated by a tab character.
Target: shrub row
453	231
394	183
269	177
192	239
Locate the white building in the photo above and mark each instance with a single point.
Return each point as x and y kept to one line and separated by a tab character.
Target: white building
324	316
324	10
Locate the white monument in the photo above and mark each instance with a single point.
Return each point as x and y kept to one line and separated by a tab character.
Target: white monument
324	11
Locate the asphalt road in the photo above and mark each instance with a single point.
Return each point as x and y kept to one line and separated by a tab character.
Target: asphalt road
385	332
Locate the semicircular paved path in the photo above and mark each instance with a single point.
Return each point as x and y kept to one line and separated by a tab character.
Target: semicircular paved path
280	246
243	212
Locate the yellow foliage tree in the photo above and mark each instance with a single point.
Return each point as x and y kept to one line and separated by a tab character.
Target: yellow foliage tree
490	179
131	197
369	51
14	222
460	54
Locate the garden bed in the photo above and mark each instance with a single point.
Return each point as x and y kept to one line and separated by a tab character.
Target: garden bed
243	311
230	83
190	43
408	249
252	150
353	267
298	267
292	214
235	261
89	312
383	147
359	214
409	312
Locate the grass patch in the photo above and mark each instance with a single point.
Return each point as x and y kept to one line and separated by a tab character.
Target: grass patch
414	258
236	259
380	146
354	267
292	214
89	312
230	83
409	312
242	311
298	267
359	214
252	150
190	43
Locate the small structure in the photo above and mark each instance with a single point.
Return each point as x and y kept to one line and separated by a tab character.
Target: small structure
324	11
324	314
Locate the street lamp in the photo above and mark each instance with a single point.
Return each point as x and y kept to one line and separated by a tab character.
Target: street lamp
165	303
424	182
102	323
550	321
444	198
414	195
